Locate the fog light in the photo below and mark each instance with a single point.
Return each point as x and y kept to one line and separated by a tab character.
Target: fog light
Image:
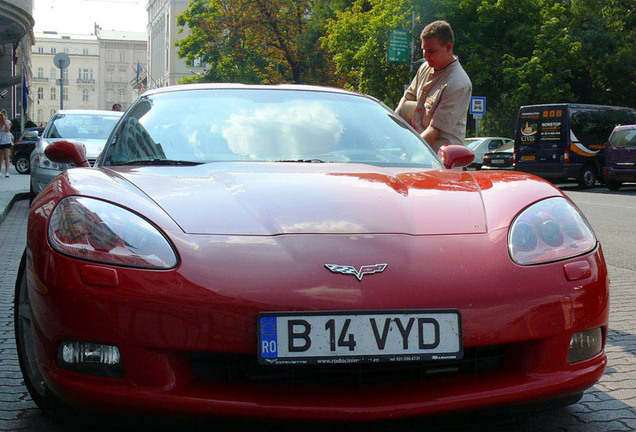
90	358
585	345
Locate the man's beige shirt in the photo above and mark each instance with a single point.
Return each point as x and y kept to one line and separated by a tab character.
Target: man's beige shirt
443	98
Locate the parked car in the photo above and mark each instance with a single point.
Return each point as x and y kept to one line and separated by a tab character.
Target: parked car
88	127
300	252
483	145
502	158
620	157
21	151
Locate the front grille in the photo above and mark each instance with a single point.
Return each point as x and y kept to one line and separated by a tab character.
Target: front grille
245	368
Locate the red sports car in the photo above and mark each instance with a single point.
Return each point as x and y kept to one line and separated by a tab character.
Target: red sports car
299	252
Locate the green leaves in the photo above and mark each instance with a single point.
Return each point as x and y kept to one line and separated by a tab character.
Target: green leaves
516	52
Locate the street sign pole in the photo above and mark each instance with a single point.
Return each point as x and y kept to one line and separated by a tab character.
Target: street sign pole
62	60
477	109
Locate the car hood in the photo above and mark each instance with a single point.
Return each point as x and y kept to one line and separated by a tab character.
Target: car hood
93	146
272	199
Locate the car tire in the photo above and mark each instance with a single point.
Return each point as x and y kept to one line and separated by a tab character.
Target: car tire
613	185
24	337
22	165
587	177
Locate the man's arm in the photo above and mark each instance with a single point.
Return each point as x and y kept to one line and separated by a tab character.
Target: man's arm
430	135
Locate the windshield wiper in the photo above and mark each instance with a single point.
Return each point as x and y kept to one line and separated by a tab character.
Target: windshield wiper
159	162
302	160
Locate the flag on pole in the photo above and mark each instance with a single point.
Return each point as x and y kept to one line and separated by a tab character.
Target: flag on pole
25	92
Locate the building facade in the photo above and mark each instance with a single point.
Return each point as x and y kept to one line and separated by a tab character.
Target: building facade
16	38
76	86
122	58
102	71
164	65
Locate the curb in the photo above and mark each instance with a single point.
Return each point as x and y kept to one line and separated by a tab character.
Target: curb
17	197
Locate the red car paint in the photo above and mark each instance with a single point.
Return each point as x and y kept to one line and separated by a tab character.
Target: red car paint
227	275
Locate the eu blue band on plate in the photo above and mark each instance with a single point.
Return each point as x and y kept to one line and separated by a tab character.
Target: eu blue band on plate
269	339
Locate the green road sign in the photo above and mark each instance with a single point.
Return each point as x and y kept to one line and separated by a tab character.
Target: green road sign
399	47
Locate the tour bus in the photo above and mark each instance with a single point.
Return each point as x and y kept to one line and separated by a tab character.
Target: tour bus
566	140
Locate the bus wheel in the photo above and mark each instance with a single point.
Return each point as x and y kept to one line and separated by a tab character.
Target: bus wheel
587	177
613	185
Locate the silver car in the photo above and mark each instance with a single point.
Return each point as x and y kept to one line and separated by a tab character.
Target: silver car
90	127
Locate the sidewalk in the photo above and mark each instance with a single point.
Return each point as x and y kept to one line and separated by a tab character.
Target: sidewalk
12	188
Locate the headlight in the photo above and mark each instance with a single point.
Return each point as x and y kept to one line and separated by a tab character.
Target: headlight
95	230
550	230
42	161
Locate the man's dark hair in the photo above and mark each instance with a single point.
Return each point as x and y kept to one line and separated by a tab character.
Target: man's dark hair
440	30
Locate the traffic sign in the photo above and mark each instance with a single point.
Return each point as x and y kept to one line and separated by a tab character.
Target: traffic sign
477	105
399	47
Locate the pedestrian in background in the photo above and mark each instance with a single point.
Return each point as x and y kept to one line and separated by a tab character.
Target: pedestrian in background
116	107
436	103
6	141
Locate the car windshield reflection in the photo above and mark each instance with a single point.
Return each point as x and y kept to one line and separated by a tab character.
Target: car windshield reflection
205	126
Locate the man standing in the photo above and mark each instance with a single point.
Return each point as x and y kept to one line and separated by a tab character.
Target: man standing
436	102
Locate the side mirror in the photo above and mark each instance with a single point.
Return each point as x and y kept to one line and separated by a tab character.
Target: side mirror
31	135
66	152
454	155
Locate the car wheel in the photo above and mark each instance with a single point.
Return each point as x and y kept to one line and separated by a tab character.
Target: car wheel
587	177
613	185
25	342
23	165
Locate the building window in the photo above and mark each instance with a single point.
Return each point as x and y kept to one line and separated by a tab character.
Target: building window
122	56
109	74
66	51
53	73
79	74
40	93
53	95
53	51
85	74
92	74
40	73
65	74
109	95
122	94
65	93
40	50
85	51
85	95
40	114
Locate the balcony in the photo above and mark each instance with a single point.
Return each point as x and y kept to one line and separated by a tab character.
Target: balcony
39	79
57	82
85	81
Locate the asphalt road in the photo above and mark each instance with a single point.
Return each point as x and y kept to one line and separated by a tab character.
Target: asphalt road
608	406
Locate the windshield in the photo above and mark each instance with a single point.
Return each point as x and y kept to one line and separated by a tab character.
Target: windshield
472	144
81	126
624	138
508	147
211	125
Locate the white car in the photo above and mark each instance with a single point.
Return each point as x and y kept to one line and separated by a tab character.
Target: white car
90	127
482	145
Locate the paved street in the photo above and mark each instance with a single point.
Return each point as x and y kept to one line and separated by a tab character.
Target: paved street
608	406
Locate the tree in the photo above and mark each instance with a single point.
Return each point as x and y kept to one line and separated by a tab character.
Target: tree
255	41
357	38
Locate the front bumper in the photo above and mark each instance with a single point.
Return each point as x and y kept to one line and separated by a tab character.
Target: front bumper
159	319
40	177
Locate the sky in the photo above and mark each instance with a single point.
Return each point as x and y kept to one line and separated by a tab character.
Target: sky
80	16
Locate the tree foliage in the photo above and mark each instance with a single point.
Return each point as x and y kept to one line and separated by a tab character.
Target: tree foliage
255	41
516	52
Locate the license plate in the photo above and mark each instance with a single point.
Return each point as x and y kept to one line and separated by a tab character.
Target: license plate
497	161
358	336
527	158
